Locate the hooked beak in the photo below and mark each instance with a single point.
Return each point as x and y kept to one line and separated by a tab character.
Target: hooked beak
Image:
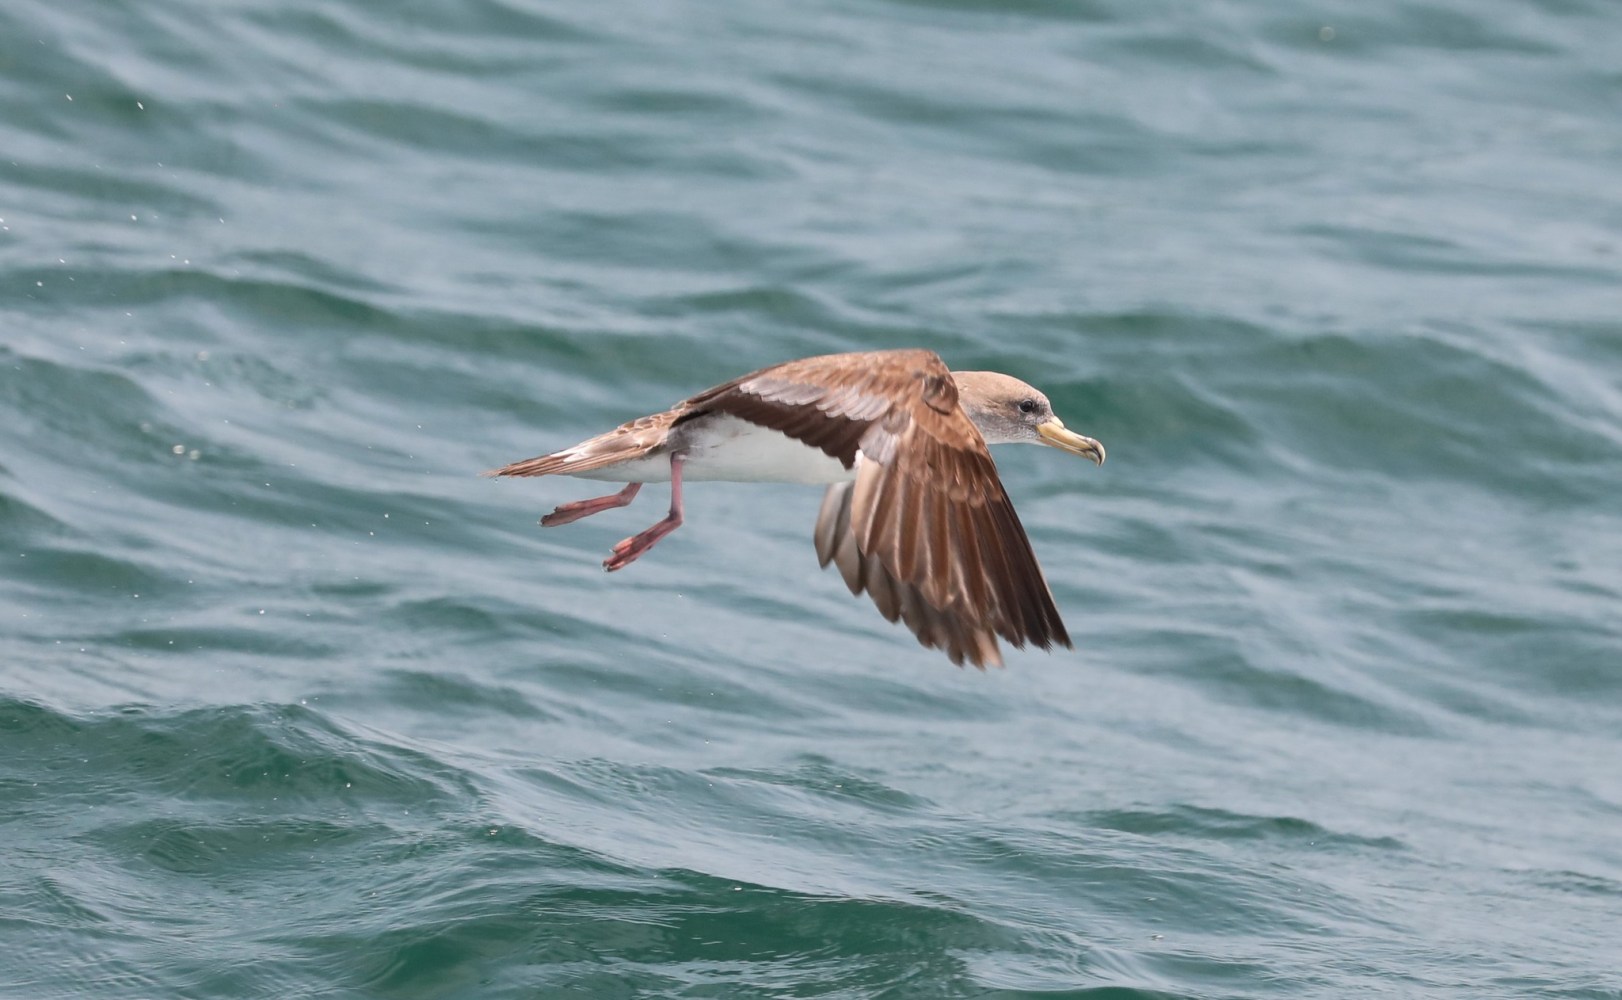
1054	432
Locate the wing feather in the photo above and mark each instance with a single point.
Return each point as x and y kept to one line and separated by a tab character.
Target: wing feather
927	529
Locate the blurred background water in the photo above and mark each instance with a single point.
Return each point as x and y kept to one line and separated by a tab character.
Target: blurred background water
292	704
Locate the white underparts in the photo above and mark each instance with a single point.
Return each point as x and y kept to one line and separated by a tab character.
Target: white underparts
724	448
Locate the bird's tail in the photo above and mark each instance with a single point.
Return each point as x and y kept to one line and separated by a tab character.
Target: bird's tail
540	465
624	442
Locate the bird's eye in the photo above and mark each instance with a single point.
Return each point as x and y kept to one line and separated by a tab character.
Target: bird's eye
1027	406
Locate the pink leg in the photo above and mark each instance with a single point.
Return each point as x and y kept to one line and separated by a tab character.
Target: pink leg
585	508
626	552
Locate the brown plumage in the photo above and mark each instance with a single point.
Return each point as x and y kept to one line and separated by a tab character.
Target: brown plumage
915	515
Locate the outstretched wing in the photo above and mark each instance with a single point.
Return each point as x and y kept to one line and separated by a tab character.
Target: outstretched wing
926	528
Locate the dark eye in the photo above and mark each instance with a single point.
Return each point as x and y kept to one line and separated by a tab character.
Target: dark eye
1027	406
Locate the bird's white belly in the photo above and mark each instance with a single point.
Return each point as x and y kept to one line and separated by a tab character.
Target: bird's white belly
733	450
723	448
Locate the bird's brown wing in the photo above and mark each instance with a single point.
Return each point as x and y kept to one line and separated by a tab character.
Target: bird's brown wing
926	528
827	402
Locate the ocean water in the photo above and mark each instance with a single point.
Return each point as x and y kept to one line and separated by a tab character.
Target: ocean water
294	704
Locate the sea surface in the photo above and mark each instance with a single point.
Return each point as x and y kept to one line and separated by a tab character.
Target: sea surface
293	704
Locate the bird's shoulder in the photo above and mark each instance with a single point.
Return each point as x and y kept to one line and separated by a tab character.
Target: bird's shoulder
850	385
869	400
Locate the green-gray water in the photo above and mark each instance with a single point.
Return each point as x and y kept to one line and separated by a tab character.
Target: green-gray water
293	704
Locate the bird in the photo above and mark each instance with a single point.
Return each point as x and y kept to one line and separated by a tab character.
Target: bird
914	512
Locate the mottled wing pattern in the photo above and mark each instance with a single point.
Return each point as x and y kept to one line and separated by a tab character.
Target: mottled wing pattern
830	402
948	557
927	529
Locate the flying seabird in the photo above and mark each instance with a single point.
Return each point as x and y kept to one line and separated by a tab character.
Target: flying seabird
915	514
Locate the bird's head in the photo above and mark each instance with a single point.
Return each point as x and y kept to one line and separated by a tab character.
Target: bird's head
1007	411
